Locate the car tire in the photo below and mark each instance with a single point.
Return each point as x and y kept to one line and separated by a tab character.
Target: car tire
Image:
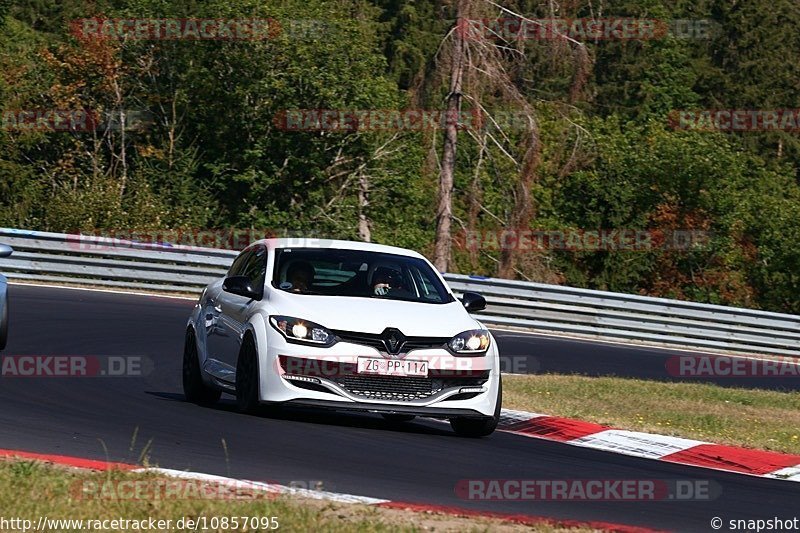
193	387
397	417
479	427
247	382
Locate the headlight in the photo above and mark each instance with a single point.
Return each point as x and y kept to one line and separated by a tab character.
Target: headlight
472	342
302	331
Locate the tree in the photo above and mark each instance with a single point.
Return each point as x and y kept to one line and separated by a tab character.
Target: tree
444	210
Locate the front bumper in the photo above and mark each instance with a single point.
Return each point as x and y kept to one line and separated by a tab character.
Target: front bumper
328	377
432	412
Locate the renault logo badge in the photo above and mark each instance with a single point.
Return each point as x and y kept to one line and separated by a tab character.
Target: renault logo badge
393	340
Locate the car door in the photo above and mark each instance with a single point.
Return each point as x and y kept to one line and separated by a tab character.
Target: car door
218	341
235	309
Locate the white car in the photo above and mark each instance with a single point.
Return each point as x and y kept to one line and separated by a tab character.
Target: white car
347	326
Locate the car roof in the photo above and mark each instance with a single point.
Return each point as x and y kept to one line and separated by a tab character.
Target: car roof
314	242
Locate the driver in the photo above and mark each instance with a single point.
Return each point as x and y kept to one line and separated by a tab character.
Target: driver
384	280
300	274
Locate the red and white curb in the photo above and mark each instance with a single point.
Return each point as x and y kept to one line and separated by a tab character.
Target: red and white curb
277	489
264	487
652	446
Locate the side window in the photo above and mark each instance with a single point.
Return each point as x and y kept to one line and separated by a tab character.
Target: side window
239	264
427	288
256	268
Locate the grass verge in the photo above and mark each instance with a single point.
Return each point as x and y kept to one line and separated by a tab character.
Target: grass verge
31	489
753	418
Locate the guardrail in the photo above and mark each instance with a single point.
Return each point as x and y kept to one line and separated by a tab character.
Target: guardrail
60	258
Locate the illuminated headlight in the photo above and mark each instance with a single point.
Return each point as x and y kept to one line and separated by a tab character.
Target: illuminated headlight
472	342
302	331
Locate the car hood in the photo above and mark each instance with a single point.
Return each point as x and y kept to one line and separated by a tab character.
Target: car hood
373	315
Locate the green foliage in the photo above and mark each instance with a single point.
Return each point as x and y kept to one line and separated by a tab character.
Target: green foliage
211	153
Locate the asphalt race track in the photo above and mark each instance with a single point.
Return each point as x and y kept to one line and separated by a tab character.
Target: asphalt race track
357	454
536	354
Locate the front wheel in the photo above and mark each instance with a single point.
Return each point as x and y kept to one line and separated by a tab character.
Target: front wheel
479	427
193	387
247	382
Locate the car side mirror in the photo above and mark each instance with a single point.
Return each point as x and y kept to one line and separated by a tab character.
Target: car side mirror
473	302
240	285
5	250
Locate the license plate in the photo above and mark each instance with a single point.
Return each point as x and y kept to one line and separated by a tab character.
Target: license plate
392	367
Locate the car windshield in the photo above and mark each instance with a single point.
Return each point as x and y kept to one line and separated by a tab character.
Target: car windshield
357	273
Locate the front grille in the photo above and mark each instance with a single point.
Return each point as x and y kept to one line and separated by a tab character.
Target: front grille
402	388
389	387
375	340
